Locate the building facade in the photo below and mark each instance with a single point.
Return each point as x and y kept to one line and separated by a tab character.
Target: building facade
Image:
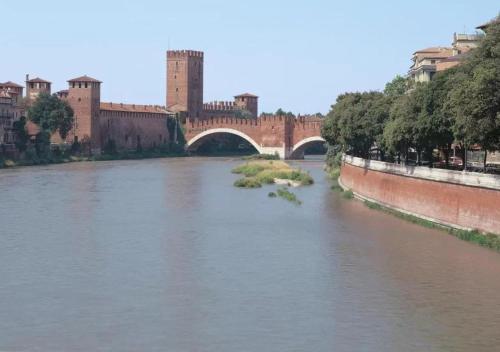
426	62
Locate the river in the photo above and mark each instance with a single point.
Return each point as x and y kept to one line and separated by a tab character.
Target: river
166	255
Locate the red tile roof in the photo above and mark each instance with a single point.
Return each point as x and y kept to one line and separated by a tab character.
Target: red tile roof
38	80
11	84
246	95
84	79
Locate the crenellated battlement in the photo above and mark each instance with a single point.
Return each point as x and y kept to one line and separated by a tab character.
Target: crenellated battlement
184	53
137	108
219	106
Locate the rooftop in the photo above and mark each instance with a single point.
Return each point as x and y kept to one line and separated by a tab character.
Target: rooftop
246	95
38	80
84	78
489	23
10	84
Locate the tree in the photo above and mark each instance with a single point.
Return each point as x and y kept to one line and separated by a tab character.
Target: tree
22	137
356	122
281	112
397	87
52	114
398	132
474	96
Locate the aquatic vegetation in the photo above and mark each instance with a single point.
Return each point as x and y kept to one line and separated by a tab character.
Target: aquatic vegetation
247	182
274	156
286	194
268	171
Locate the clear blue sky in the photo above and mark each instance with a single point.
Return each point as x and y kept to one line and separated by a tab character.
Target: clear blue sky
298	55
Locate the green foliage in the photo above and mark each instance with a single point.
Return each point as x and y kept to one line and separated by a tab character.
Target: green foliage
248	169
247	182
281	112
356	122
243	114
274	156
474	96
397	87
271	195
268	176
284	193
22	137
52	114
110	147
460	105
348	194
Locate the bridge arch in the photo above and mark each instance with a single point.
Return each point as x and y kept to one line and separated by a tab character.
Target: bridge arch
195	141
299	148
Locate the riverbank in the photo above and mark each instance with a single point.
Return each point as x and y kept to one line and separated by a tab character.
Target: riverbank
482	237
9	163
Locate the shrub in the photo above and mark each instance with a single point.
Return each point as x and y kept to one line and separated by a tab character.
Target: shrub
262	157
271	195
348	194
286	194
247	183
248	169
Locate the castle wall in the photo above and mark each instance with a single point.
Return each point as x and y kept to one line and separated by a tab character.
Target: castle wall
459	199
130	129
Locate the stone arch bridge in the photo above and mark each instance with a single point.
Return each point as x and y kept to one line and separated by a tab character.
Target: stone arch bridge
269	134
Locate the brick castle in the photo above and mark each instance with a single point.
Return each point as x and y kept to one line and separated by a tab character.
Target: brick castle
130	126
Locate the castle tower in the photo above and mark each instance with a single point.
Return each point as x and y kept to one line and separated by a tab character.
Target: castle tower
36	86
185	82
84	96
247	102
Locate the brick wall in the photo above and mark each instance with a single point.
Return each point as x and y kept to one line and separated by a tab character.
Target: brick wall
129	129
464	200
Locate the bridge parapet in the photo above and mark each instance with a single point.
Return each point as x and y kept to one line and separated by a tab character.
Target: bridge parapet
268	134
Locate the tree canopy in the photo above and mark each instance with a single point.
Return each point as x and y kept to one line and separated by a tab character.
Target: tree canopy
52	114
460	105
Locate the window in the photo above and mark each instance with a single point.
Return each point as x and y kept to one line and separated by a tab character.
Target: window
433	62
85	84
79	84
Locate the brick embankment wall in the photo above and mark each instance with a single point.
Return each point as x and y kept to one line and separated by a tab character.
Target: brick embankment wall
460	199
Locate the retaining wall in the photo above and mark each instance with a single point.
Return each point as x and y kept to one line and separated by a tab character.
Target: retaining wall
466	200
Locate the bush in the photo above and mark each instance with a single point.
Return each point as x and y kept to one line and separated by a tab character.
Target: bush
274	156
286	194
248	170
271	195
247	183
348	194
